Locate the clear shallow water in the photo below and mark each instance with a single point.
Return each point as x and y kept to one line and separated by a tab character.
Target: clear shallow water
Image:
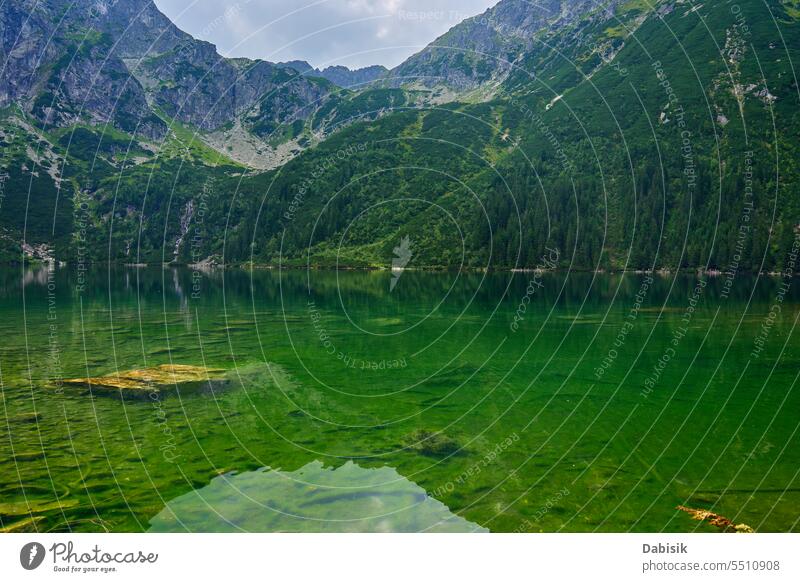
315	498
453	402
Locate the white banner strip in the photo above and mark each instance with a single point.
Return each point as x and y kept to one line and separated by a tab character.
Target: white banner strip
389	557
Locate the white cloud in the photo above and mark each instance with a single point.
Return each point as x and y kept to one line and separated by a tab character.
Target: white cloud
355	33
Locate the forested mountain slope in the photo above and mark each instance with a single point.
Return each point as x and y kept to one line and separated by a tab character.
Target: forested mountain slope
631	135
677	151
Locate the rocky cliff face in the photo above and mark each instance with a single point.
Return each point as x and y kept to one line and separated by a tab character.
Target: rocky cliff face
485	48
62	68
124	62
194	85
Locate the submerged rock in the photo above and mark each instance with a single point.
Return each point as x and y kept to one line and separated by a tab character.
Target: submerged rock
714	519
27	456
433	444
25	418
144	382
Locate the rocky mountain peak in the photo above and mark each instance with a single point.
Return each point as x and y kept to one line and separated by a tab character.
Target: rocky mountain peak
482	48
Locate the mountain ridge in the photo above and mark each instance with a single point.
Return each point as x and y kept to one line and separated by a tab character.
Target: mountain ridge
340	75
483	48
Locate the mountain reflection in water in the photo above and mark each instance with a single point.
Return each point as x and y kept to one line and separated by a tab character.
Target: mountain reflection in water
314	498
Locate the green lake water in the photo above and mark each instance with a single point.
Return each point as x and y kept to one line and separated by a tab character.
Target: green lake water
442	402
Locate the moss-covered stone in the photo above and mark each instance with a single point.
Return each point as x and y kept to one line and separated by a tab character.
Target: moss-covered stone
144	382
433	444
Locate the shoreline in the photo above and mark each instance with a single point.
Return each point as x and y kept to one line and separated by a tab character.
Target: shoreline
203	267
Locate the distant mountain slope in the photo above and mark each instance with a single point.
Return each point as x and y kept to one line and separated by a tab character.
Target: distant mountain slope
339	75
662	136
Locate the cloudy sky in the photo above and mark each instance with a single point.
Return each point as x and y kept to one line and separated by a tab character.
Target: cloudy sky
354	33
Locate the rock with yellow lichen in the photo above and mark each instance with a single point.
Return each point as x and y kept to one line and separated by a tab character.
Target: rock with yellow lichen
714	519
144	383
